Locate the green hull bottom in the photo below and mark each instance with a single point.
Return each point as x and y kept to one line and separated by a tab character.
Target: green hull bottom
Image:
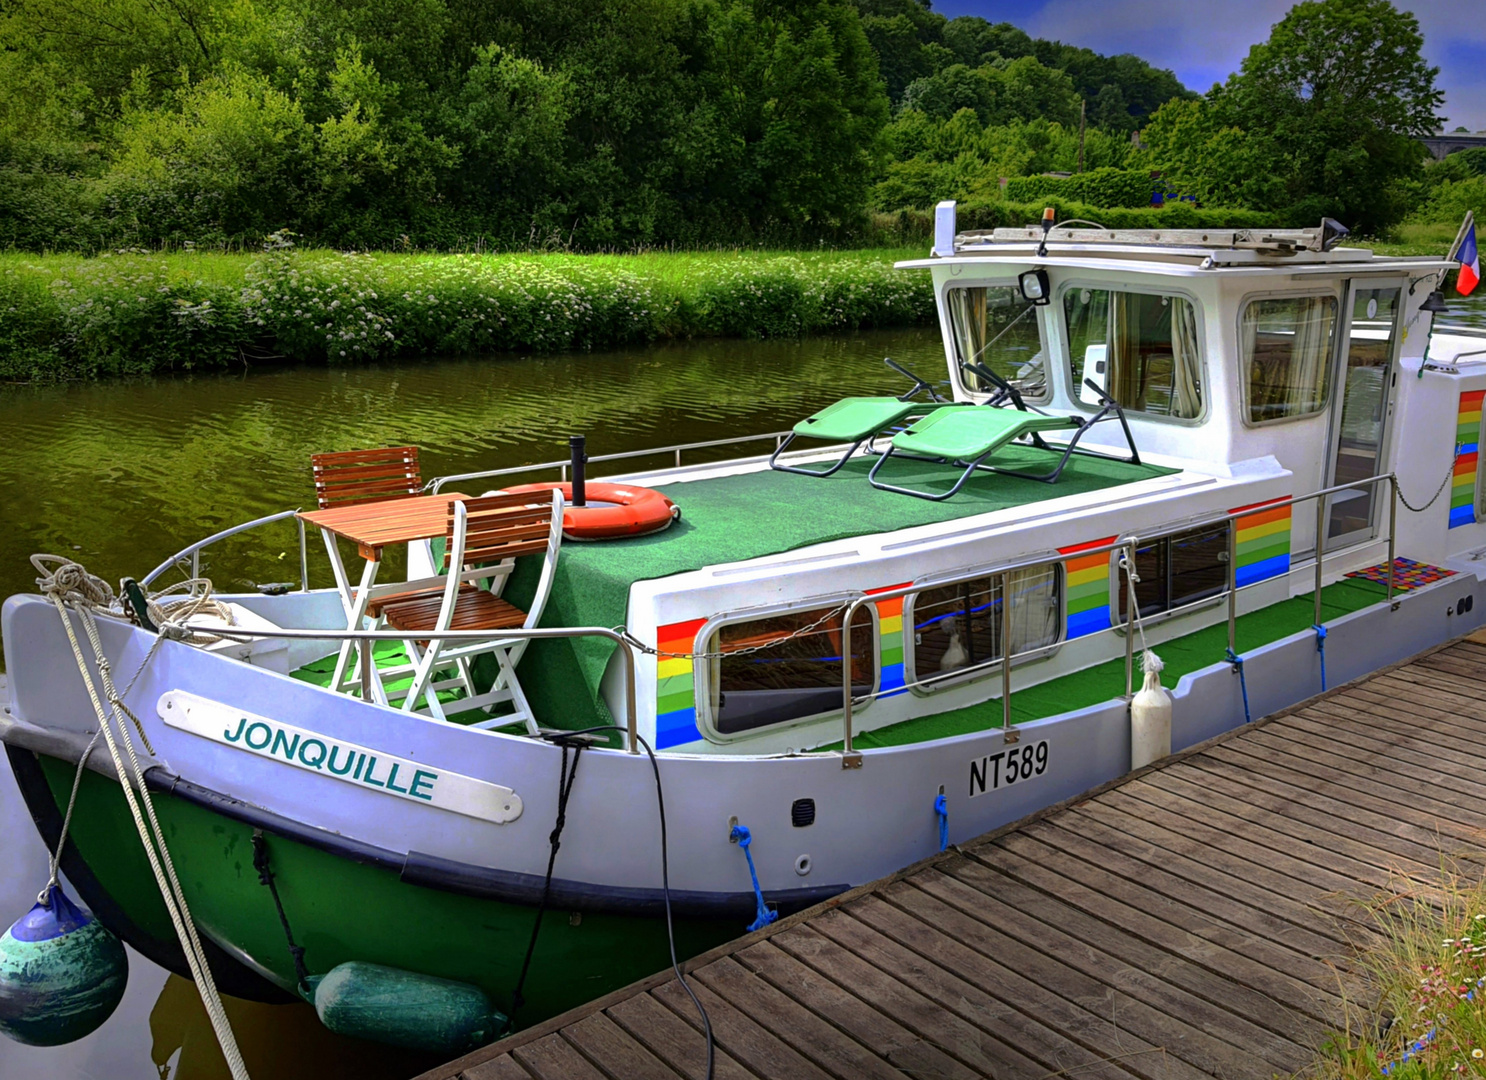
341	910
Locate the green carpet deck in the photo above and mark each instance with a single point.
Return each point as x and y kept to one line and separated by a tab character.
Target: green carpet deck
1095	685
734	518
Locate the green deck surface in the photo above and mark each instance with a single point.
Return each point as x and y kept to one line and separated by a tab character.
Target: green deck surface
734	518
1095	685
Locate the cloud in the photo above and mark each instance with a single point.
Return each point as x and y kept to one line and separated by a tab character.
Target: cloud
1203	41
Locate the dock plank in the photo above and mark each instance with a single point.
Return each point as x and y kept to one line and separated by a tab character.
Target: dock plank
1197	918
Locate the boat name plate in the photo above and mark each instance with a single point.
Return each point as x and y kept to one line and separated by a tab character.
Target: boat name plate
1013	765
363	766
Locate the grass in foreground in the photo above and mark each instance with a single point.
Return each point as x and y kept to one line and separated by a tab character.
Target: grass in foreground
64	316
1429	965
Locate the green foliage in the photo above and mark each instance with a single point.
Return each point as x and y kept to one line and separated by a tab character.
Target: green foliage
1322	119
1099	187
64	317
996	214
914	43
961	158
520	124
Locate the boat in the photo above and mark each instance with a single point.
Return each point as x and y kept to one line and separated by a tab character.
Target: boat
904	624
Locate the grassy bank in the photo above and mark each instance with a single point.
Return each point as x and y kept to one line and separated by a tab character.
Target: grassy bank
1429	964
67	317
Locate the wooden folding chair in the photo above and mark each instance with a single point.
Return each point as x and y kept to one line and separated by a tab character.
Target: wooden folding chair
485	536
363	476
348	477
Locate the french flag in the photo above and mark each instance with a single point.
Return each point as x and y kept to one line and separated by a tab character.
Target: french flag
1470	263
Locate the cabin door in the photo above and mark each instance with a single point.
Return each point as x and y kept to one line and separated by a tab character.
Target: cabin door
1362	404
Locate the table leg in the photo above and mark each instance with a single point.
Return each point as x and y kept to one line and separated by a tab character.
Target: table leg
357	610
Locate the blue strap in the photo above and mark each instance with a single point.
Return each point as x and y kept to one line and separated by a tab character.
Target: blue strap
941	807
743	838
1243	684
1321	648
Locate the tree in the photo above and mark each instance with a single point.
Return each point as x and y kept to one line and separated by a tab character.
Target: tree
1339	93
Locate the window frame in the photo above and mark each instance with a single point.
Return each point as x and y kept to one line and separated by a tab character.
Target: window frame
1331	359
964	676
702	669
1480	505
1118	587
957	374
1205	361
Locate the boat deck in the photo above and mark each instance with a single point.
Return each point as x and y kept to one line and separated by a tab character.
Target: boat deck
1194	919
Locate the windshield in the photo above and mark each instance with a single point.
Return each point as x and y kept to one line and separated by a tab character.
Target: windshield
995	327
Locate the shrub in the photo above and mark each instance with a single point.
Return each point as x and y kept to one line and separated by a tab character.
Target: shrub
122	314
1098	187
994	214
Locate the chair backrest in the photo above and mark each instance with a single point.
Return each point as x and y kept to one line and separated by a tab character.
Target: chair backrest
501	527
366	476
496	527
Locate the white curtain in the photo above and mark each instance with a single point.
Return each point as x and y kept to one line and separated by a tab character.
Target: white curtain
1034	607
1186	358
967	317
1310	362
1286	349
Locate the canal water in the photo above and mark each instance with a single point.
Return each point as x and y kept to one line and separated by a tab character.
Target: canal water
121	475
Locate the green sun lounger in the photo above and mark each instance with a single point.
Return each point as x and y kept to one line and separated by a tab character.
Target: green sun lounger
969	436
853	420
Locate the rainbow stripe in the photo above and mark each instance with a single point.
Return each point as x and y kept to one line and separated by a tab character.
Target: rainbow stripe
675	686
1263	541
889	642
1086	587
1467	439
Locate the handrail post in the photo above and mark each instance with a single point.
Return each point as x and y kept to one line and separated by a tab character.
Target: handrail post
1130	601
304	557
850	759
1320	540
1392	533
1233	585
631	717
1007	734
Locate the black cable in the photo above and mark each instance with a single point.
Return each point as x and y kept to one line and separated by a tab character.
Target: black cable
565	778
266	877
665	873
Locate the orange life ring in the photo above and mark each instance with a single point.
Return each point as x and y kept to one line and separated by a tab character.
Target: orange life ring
612	510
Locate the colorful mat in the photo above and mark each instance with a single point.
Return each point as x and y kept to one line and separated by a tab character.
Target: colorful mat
1407	574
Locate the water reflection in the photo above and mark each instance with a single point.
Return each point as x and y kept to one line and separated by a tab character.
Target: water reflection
120	475
276	1041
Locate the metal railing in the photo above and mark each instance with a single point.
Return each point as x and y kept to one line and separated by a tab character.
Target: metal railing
852	759
433	487
194	551
365	639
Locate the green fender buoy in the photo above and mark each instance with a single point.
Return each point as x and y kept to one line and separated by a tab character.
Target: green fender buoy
404	1008
61	973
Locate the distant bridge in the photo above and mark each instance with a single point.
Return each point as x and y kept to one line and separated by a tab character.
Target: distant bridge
1442	146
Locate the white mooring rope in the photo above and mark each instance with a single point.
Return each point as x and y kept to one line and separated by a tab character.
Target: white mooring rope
68	585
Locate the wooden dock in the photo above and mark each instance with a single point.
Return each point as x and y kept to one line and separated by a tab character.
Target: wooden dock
1194	919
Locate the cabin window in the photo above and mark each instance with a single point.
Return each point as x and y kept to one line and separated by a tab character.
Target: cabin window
1176	570
1142	349
959	626
786	667
1286	349
995	326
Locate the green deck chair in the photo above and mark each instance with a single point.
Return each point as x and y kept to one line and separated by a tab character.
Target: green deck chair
969	436
857	420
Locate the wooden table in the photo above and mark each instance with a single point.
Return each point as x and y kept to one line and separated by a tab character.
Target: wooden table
372	527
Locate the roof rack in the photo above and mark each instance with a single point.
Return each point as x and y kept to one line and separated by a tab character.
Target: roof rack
1321	238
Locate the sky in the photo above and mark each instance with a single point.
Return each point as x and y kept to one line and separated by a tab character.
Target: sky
1203	41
